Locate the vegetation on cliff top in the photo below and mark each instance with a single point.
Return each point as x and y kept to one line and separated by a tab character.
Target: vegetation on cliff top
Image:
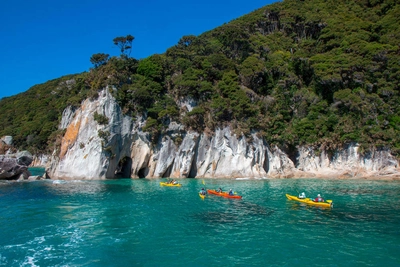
320	73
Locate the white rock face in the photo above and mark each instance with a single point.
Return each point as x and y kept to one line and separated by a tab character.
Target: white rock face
222	155
40	161
126	151
8	140
279	164
67	116
187	102
140	154
85	155
226	155
347	163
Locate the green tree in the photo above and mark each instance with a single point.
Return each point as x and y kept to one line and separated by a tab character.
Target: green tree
186	40
99	59
151	68
124	43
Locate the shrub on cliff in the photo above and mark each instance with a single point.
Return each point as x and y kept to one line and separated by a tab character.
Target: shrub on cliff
300	72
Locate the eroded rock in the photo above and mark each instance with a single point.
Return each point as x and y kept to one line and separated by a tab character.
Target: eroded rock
15	166
120	148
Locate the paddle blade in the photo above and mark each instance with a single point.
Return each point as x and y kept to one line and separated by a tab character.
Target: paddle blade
203	182
329	201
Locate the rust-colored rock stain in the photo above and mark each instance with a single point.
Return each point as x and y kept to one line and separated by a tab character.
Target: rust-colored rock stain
69	137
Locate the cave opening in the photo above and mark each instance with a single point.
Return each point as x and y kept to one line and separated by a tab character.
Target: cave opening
124	168
142	173
266	161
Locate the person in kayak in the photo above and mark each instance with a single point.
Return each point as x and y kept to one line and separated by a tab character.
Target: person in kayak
319	199
219	190
203	192
230	192
302	195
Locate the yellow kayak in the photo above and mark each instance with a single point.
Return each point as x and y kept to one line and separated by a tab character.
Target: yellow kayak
309	201
169	184
202	196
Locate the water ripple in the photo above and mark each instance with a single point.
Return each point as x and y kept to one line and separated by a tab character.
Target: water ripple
139	223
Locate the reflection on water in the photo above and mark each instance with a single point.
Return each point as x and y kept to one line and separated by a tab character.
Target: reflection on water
232	212
107	187
250	209
214	217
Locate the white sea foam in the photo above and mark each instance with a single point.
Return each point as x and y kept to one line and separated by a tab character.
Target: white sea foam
252	178
29	261
59	182
3	260
37	240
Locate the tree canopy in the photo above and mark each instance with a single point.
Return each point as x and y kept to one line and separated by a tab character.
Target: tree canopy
316	73
99	59
124	43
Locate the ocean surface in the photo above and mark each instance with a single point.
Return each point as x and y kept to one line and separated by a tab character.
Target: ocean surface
139	223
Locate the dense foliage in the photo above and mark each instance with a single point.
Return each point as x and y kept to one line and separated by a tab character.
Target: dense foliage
32	117
322	73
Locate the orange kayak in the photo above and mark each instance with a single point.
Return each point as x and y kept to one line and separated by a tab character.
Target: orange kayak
223	194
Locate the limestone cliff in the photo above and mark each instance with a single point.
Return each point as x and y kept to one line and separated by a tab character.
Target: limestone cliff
83	153
120	148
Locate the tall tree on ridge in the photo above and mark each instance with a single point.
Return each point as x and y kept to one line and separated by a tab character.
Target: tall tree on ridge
124	43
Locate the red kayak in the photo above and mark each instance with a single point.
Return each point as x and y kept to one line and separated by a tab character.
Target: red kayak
223	194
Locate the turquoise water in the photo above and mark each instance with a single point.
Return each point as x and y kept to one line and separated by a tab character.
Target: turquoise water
138	223
36	171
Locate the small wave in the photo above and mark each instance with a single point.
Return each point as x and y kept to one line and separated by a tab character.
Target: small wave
30	261
37	240
59	182
252	178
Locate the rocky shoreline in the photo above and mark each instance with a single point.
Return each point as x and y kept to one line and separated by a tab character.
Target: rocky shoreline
15	166
120	148
128	151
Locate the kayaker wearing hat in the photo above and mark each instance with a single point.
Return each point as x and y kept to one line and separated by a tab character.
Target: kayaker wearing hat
203	191
319	199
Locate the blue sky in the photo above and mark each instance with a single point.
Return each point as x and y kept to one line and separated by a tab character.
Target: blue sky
47	39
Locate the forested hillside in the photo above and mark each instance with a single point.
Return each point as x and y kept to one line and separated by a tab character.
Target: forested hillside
321	73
